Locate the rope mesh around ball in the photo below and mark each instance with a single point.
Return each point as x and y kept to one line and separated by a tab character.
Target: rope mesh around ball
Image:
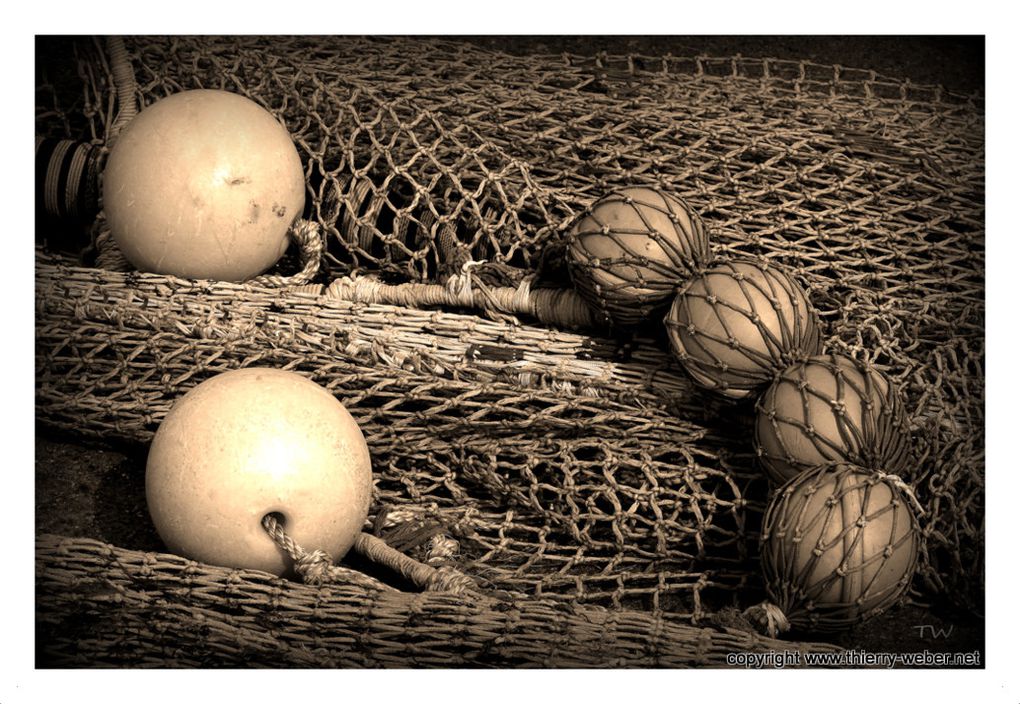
790	592
798	335
646	282
881	440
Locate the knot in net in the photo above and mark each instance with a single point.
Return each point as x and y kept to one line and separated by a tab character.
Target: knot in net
768	618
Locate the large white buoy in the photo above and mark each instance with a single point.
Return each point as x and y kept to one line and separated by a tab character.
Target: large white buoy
251	442
203	184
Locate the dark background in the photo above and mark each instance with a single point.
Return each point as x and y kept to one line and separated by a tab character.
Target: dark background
956	62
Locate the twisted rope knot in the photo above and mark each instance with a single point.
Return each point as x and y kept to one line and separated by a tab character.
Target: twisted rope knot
441	547
522	300
905	488
307	234
768	616
447	579
314	567
460	285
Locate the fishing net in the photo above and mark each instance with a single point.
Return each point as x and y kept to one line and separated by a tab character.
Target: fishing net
567	466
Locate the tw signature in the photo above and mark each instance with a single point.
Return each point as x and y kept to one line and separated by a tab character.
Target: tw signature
933	631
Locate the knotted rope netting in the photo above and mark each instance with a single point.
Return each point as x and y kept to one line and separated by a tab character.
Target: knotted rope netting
567	465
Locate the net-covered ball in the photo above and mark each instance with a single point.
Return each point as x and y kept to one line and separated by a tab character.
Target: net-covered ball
839	545
735	326
831	408
632	250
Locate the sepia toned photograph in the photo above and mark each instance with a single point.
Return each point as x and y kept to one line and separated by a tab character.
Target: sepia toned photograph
515	352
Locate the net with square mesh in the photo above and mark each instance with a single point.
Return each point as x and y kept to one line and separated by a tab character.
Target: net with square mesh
567	466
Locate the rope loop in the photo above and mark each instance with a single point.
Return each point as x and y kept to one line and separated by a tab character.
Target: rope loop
314	567
307	235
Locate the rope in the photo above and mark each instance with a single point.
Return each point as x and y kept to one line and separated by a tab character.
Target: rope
905	488
124	80
768	616
316	567
426	577
307	236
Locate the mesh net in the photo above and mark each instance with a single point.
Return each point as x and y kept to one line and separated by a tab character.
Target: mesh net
560	470
565	464
142	609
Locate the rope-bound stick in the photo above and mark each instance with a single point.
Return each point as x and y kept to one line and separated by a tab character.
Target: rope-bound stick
426	577
317	568
558	306
768	617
